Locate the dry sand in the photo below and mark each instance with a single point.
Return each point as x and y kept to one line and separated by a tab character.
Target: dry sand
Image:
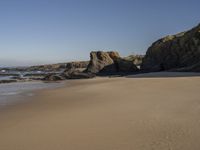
126	113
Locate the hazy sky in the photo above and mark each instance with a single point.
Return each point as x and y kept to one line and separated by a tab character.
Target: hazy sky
49	31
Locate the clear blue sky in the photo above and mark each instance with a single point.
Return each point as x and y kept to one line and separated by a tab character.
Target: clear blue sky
49	31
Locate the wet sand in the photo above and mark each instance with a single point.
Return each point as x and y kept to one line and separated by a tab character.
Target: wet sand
158	112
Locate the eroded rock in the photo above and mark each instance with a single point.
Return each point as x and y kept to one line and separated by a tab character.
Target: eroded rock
109	62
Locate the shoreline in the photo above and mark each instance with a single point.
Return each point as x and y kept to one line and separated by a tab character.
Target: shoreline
13	93
107	113
21	97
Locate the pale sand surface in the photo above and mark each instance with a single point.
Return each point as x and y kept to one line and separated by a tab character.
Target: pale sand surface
107	114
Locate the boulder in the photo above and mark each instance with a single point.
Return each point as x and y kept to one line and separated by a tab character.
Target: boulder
175	52
124	65
102	62
109	62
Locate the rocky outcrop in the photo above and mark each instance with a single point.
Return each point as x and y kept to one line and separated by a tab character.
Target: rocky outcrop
106	63
109	62
58	67
77	64
102	62
124	65
176	52
77	74
70	73
53	77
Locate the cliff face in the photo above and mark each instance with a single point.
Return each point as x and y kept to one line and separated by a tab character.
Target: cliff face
179	52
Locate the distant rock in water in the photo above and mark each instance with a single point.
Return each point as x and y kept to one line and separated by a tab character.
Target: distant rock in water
109	62
7	81
180	52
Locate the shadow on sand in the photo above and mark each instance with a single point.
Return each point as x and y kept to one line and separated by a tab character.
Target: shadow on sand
164	75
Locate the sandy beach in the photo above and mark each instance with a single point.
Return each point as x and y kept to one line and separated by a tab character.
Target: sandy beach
147	112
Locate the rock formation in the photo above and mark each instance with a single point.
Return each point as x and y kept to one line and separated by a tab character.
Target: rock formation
78	75
53	77
73	73
70	73
136	59
102	61
106	63
109	62
57	67
124	65
180	52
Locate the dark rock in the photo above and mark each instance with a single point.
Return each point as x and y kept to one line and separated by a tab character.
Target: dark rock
53	77
17	78
7	81
176	52
124	65
77	74
35	74
81	75
194	68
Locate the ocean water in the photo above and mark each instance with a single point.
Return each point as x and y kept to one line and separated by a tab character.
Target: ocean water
12	92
